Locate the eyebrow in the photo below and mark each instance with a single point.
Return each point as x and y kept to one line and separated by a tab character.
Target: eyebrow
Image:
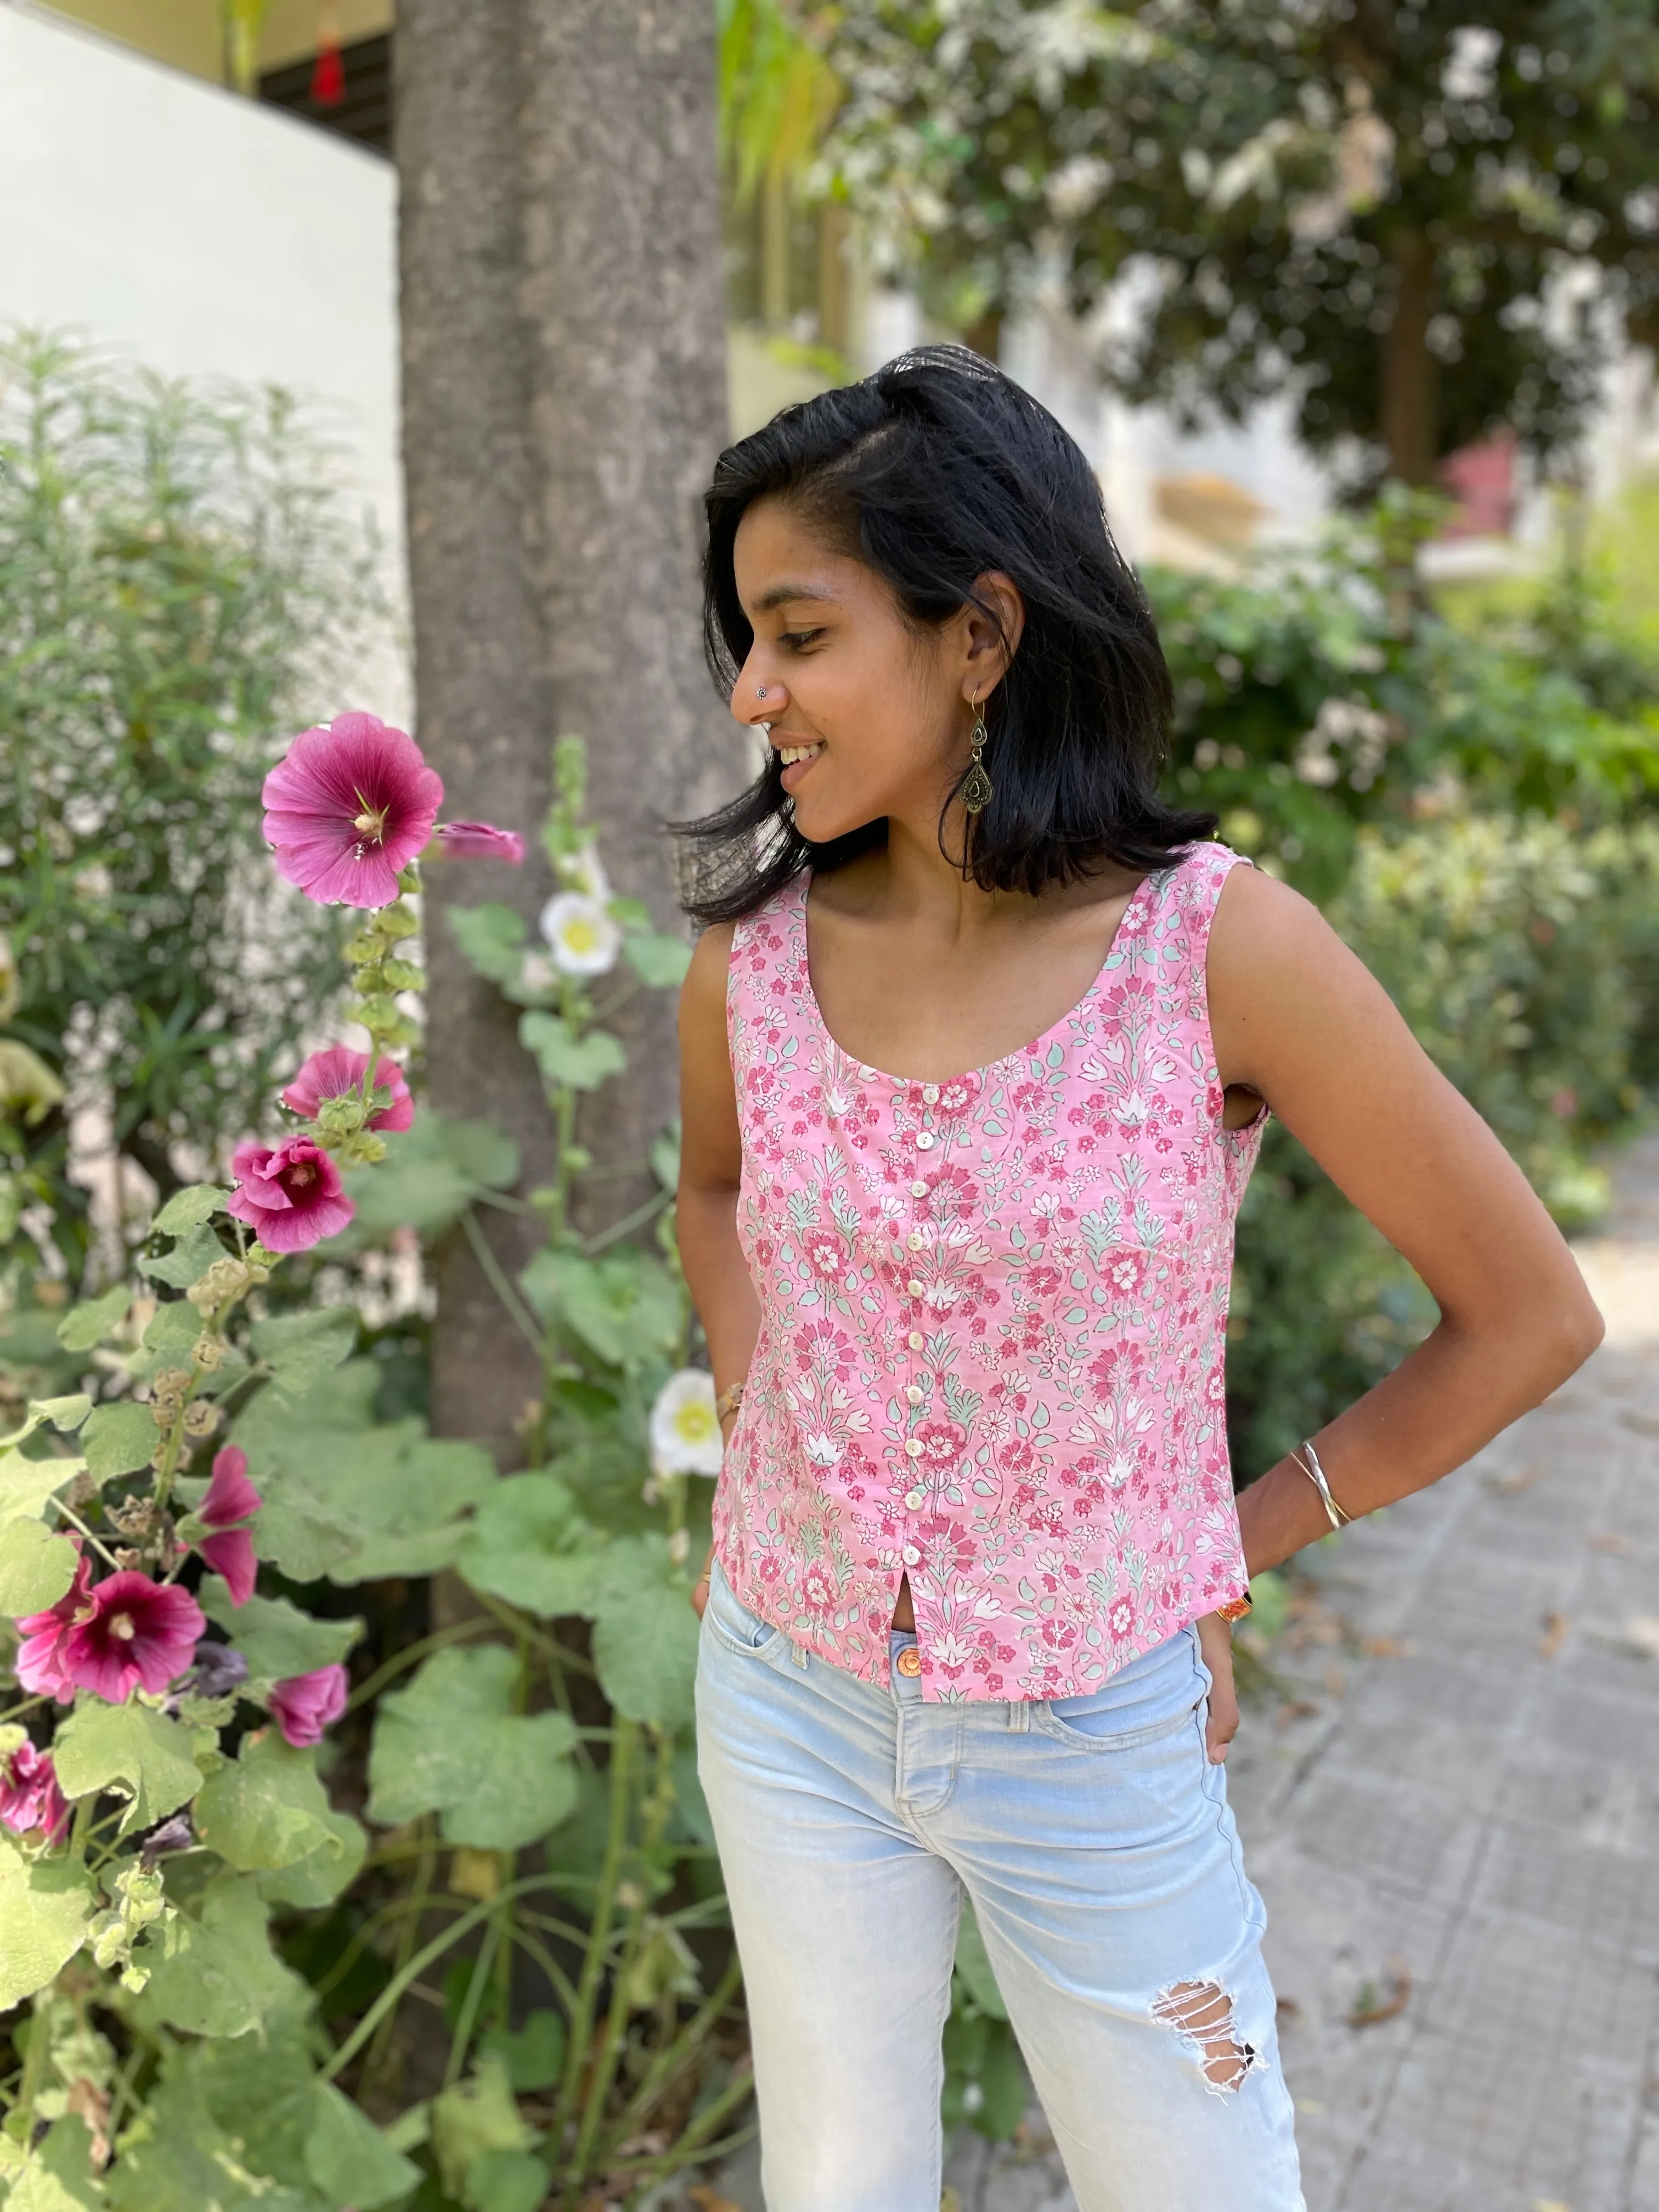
782	594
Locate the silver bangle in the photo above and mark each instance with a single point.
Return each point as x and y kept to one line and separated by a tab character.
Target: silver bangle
1315	1474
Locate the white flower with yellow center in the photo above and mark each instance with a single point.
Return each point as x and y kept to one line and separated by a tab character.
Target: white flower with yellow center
685	1431
584	871
580	935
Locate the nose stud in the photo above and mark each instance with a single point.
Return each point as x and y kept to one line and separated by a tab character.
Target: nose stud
761	692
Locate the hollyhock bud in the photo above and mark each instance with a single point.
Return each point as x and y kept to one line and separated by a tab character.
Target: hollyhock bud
349	807
29	1795
231	1501
304	1705
40	1664
338	1073
291	1197
133	1633
478	841
218	1670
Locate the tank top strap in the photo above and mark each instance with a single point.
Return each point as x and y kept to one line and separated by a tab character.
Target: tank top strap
767	968
1175	937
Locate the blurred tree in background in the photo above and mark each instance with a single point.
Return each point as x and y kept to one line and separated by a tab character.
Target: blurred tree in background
181	584
1417	224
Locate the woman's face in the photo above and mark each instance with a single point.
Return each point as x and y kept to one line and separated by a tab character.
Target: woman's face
881	711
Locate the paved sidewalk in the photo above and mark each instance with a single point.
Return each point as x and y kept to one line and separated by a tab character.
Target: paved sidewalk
1453	1812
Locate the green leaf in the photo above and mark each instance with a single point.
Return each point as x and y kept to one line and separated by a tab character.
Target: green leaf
132	1751
452	1743
352	1498
474	2117
188	1208
657	960
59	2176
36	1567
45	1905
64	1415
582	1062
116	1439
276	1639
974	1965
533	2054
646	1650
529	1544
26	1483
266	1809
86	1324
301	1348
223	2129
350	2160
430	1174
213	1970
625	1306
190	1259
506	2181
324	1873
491	937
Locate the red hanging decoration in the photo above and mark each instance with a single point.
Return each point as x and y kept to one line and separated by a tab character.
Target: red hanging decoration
328	74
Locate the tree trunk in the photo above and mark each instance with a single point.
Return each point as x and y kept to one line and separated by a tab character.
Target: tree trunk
564	396
1410	396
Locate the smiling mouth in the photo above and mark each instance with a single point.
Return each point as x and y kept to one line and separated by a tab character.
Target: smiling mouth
788	754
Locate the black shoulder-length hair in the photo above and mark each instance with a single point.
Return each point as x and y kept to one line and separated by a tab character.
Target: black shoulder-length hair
935	471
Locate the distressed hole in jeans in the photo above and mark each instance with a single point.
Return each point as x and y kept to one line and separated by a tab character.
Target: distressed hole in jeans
1201	2014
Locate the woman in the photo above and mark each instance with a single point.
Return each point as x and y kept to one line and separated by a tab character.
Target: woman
965	1622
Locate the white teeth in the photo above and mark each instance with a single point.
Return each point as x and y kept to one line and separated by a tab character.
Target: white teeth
789	753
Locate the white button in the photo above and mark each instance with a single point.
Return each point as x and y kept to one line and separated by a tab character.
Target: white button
924	1140
915	1339
913	1445
912	1557
913	1287
915	1500
914	1394
930	1095
918	1189
914	1240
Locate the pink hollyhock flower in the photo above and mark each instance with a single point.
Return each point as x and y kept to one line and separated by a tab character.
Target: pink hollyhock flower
40	1665
348	806
133	1633
333	1073
29	1796
478	841
231	1500
304	1705
291	1197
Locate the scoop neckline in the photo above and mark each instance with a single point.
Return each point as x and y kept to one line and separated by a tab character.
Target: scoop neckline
1038	1044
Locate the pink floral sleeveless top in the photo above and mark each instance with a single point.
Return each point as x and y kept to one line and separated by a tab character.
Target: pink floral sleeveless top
992	1322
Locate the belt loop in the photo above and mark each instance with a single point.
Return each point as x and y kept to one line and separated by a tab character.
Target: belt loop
1020	1715
798	1653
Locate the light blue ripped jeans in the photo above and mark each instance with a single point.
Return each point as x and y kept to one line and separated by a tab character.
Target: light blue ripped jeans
1093	1836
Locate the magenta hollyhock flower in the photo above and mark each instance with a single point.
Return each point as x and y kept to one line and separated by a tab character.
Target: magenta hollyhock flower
29	1795
340	1070
478	841
291	1197
40	1665
132	1634
231	1500
348	807
304	1705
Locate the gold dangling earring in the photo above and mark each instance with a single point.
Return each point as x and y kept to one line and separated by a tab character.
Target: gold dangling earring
976	788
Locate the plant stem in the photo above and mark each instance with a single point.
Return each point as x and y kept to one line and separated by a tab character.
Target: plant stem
517	1312
396	1665
587	1987
673	2056
34	2058
408	1936
477	1982
533	1949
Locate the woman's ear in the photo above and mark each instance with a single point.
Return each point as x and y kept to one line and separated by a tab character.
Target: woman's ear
993	630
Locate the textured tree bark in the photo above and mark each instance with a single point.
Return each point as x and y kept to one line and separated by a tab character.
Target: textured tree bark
1410	373
564	396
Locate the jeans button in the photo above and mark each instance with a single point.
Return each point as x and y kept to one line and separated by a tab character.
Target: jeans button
910	1662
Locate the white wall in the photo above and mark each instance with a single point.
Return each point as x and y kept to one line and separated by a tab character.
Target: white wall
204	236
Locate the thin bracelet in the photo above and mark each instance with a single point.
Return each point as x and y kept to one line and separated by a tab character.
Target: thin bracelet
1315	1474
729	1400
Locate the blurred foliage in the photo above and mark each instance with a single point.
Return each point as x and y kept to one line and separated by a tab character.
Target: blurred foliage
1468	790
181	585
778	95
1367	210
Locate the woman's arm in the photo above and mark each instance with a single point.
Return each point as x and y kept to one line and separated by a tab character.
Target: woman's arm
1295	1016
711	1168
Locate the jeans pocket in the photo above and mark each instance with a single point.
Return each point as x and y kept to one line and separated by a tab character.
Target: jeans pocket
730	1621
